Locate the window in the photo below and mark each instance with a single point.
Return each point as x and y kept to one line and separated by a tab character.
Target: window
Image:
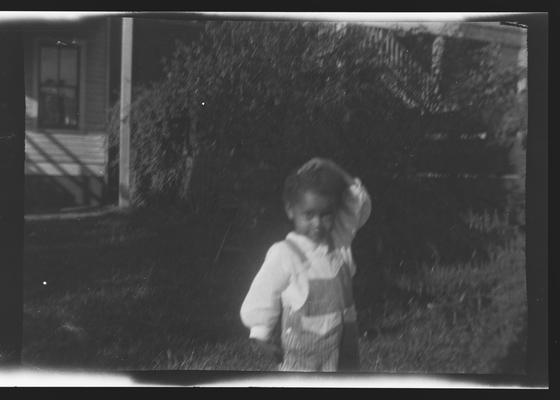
58	85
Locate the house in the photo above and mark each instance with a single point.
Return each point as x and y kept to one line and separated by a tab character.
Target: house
66	100
72	79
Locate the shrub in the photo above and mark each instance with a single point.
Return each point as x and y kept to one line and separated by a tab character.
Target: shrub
249	101
460	318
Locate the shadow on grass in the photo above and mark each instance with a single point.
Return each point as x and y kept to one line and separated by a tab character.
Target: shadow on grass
118	291
140	291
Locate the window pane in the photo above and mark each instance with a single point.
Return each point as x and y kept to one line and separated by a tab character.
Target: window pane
49	65
58	89
49	90
69	66
69	106
49	107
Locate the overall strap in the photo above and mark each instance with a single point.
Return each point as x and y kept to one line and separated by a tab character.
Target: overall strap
296	249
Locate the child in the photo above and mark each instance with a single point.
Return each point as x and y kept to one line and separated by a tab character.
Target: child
305	282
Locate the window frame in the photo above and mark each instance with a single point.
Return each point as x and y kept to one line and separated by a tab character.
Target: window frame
59	44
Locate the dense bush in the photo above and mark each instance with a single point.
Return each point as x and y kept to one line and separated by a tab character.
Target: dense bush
468	318
250	101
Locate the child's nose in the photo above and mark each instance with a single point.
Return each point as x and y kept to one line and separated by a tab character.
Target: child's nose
316	221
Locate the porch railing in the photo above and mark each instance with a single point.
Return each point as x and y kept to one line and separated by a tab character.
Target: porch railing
407	78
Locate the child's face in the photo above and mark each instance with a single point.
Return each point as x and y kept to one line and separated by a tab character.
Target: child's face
313	215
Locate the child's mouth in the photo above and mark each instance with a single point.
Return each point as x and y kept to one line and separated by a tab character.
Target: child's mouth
317	234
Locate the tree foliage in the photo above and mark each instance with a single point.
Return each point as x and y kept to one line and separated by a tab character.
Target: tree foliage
249	101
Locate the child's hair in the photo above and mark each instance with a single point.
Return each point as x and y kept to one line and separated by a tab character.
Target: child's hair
321	180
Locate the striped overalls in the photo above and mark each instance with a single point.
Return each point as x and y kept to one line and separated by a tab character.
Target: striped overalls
322	334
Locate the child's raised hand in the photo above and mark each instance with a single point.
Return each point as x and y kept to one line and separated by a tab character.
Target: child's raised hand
312	164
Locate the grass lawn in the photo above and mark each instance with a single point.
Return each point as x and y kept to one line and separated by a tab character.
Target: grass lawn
141	291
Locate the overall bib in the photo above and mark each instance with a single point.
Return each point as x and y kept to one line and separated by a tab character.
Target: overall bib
322	334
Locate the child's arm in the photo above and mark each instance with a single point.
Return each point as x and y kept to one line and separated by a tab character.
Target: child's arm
352	215
356	208
262	306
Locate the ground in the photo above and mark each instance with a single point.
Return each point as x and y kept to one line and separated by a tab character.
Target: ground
145	290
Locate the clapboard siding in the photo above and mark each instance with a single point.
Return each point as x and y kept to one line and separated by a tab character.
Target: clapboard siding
64	170
63	153
96	78
47	168
44	193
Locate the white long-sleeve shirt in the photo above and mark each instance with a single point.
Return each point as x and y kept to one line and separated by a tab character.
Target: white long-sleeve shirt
275	285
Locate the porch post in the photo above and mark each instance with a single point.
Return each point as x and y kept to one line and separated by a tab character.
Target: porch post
124	142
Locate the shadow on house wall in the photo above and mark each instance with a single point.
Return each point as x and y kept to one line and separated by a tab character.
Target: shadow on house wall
63	170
